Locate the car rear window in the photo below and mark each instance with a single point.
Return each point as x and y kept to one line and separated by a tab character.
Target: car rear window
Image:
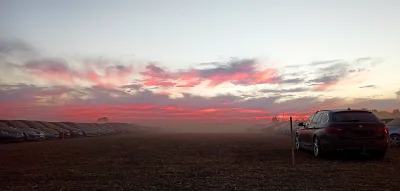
353	116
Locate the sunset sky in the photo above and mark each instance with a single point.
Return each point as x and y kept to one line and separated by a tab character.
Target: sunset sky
146	61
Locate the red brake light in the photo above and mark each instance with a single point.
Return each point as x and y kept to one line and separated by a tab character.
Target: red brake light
384	130
334	130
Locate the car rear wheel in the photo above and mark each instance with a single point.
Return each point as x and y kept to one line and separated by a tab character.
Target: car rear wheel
395	140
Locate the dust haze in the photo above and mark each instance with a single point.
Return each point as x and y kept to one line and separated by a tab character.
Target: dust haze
209	127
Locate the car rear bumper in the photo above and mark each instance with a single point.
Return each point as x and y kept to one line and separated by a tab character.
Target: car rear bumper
354	145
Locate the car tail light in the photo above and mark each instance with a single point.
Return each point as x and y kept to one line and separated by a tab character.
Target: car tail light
334	130
384	130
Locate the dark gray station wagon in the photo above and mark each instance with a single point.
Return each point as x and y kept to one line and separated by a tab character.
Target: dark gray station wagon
327	131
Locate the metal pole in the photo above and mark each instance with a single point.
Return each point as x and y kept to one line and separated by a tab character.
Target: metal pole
291	134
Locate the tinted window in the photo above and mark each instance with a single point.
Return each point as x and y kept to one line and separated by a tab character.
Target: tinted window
353	116
316	118
323	119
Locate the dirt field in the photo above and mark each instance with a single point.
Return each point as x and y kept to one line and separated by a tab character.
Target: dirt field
248	161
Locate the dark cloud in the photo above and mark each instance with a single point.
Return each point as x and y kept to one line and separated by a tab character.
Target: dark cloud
369	86
371	61
117	69
333	71
330	75
133	86
59	70
292	81
293	90
212	64
48	65
316	63
398	93
233	67
363	59
14	46
294	66
24	93
325	79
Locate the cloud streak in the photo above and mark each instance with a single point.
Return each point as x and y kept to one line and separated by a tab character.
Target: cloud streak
369	86
87	104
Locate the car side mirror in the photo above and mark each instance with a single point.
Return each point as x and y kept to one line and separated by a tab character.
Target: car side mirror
301	124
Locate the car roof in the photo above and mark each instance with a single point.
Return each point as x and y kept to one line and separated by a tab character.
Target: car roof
345	110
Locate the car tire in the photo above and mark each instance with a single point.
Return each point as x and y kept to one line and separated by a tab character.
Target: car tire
378	154
297	143
317	151
394	140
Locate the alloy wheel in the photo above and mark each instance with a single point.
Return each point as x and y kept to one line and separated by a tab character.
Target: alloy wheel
394	140
316	147
297	142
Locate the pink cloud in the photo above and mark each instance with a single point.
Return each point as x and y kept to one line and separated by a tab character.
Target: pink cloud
238	72
60	70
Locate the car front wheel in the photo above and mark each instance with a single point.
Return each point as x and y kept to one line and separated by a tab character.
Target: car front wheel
317	148
297	143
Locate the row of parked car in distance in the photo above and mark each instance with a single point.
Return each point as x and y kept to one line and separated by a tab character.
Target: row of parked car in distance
25	130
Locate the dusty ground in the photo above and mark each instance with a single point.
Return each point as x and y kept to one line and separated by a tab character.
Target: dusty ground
186	162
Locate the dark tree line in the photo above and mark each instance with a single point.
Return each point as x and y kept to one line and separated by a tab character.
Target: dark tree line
385	114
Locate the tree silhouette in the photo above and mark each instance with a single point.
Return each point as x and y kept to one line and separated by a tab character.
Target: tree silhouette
387	115
102	119
275	120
